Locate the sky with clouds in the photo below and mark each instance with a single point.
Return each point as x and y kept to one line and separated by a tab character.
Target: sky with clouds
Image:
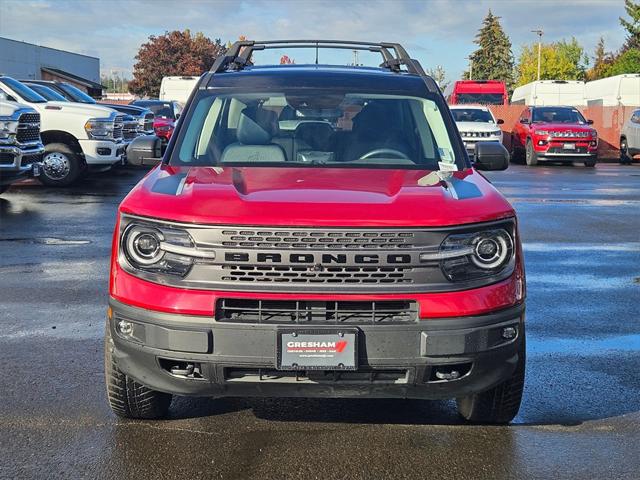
436	32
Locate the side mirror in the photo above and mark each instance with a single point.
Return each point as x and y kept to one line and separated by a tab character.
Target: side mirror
524	121
145	150
500	122
589	122
491	156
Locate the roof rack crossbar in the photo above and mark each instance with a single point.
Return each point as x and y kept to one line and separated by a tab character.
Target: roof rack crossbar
239	54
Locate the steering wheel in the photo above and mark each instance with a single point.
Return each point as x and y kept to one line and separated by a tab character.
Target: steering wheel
384	151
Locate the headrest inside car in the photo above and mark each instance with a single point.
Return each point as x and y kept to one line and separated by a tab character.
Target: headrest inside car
257	126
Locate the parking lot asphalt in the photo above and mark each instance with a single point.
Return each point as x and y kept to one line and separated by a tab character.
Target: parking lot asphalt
581	412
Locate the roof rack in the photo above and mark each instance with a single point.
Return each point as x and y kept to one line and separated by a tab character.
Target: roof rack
239	54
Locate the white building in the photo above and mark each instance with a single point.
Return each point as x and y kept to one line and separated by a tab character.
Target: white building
24	61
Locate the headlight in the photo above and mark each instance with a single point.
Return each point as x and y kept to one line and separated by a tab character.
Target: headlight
7	128
157	249
469	256
543	133
99	128
496	133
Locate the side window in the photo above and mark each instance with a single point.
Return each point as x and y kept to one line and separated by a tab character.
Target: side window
635	118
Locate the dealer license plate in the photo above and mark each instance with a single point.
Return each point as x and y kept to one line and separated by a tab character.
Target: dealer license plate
317	349
569	146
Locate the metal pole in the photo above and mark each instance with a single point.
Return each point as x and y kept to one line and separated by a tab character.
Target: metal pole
470	67
539	32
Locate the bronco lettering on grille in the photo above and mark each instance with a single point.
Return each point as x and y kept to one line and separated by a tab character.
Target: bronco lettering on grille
313	258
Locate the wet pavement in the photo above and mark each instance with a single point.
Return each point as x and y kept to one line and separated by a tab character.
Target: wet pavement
581	412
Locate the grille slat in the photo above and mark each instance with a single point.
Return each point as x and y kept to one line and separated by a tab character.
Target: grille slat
118	126
291	274
28	128
310	239
315	312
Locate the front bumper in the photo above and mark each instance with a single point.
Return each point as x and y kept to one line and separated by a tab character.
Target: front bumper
102	152
583	149
17	162
238	359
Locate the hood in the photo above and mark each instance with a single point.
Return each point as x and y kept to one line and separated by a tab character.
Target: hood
89	110
562	126
477	126
8	108
314	197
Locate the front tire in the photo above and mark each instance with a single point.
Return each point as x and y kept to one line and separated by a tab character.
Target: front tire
625	158
61	166
590	163
500	404
531	156
128	398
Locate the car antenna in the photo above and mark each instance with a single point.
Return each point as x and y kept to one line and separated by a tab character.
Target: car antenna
316	53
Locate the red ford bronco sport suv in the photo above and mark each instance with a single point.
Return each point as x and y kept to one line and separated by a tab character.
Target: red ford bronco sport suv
316	231
554	133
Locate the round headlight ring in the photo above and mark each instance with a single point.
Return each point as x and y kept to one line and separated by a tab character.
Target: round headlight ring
491	251
142	245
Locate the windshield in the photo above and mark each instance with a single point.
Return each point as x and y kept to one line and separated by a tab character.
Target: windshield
313	127
76	94
159	109
471	115
24	92
46	92
481	98
557	115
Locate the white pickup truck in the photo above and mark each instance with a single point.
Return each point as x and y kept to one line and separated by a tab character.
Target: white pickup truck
20	146
76	137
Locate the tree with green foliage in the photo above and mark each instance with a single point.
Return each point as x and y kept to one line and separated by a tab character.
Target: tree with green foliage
627	62
632	26
563	60
174	53
493	60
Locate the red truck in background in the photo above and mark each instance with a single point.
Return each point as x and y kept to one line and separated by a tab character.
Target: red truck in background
483	92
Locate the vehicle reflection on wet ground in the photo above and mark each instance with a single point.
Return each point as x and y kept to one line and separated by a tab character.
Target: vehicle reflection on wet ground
581	412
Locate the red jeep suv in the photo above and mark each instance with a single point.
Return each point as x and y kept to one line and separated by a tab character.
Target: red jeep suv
554	133
316	231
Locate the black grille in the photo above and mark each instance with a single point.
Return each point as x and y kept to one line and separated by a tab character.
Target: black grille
6	158
130	130
316	239
328	275
475	134
315	312
29	159
361	376
30	118
148	122
28	128
117	127
559	150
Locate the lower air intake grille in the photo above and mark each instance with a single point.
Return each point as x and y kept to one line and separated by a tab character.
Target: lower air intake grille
237	310
328	275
